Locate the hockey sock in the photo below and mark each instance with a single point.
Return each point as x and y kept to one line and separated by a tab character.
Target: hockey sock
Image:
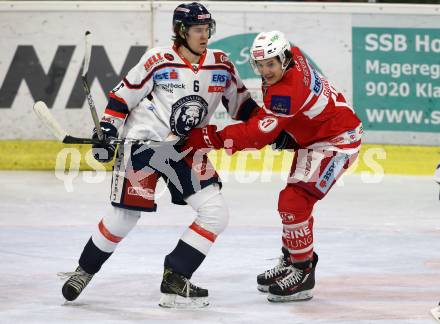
184	259
92	258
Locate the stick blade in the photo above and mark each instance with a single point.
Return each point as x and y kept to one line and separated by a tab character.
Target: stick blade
44	114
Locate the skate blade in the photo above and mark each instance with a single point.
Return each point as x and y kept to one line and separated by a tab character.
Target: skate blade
176	301
436	313
263	288
301	296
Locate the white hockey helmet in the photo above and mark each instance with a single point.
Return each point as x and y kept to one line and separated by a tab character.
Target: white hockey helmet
270	44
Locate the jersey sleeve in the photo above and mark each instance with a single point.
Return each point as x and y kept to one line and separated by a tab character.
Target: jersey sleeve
237	98
135	86
260	130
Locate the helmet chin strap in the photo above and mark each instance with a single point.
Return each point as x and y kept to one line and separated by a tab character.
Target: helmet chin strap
185	44
284	67
189	49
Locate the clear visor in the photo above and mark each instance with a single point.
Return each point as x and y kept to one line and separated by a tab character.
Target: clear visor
254	66
212	28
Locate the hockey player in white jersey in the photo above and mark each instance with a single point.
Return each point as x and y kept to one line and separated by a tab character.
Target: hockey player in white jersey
170	91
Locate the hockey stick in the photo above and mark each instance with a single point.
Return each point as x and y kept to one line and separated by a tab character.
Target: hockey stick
44	114
436	313
85	70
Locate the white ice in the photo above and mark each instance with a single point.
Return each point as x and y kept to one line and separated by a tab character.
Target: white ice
379	248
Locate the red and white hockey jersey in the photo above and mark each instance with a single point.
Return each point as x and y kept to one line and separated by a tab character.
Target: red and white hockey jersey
306	106
164	93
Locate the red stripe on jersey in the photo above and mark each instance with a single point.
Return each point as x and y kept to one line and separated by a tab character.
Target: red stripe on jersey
203	232
351	145
113	113
109	236
112	95
188	64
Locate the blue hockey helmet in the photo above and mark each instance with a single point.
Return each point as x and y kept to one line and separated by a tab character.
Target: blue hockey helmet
189	14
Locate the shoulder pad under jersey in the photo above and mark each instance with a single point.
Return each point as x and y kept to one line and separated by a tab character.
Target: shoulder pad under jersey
221	57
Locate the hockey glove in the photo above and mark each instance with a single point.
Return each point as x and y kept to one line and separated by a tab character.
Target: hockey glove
285	142
105	152
203	138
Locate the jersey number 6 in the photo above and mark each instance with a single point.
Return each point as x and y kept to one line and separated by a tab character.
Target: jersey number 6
196	86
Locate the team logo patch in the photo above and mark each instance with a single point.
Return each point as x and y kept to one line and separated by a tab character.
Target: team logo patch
166	74
139	191
216	89
267	124
331	172
280	104
220	57
169	56
152	60
219	77
187	113
258	53
316	87
182	9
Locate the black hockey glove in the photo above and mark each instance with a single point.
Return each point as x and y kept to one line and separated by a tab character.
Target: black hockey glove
285	142
105	152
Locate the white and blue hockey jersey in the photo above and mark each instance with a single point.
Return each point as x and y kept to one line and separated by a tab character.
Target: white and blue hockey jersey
164	93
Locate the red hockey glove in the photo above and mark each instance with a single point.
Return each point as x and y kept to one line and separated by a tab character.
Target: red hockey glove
203	138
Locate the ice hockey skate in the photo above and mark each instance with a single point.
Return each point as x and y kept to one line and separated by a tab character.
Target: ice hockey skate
436	312
75	283
178	292
297	285
269	277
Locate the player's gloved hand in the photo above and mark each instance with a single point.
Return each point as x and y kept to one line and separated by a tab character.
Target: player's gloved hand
105	152
285	142
203	138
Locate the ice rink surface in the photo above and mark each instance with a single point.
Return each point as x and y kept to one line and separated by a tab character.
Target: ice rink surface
379	248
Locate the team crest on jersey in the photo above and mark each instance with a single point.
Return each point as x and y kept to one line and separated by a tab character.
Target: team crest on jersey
267	124
169	57
187	113
152	61
220	57
166	75
280	104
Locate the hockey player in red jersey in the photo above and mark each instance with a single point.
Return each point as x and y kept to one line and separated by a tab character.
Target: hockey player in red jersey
305	113
171	90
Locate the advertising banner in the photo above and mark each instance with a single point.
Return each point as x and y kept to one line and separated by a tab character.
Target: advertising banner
386	59
396	78
41	57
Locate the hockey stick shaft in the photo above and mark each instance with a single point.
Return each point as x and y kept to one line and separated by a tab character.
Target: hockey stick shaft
44	114
90	101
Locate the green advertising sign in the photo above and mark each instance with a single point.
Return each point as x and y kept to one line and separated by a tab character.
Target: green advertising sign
238	49
396	78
